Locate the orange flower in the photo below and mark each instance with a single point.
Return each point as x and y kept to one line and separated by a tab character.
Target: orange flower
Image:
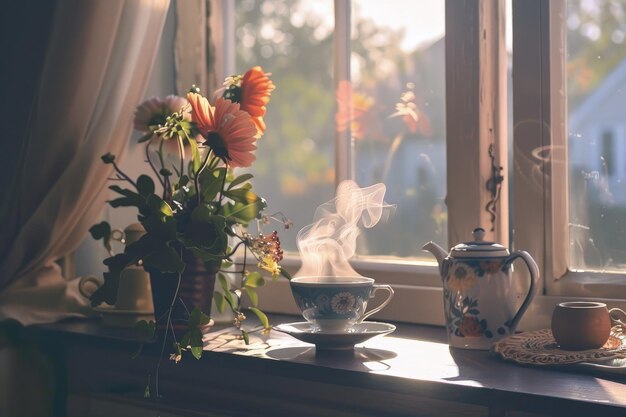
356	111
229	131
256	88
470	327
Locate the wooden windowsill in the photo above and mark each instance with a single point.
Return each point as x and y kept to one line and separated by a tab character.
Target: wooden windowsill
409	372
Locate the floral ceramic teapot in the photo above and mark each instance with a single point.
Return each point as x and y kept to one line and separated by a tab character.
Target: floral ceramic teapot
479	294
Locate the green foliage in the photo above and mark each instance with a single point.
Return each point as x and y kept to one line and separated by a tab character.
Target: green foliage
262	317
199	207
253	280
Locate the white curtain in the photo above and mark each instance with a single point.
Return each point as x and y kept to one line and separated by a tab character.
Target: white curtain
97	64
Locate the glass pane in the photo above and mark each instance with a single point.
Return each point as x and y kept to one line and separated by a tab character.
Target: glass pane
398	119
596	83
293	40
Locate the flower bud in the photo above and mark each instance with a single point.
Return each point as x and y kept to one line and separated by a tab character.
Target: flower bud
108	158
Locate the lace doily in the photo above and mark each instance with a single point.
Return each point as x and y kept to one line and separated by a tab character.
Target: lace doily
539	348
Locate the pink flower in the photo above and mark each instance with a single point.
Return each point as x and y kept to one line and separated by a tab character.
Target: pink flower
229	131
155	110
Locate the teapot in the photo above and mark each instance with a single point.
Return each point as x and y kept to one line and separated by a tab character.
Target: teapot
479	294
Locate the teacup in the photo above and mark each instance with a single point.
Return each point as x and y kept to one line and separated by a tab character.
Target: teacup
134	292
335	304
582	325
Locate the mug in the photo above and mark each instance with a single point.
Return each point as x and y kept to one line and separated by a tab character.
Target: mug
87	285
335	304
135	291
582	325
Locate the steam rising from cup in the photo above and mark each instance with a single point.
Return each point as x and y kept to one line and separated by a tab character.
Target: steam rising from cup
327	245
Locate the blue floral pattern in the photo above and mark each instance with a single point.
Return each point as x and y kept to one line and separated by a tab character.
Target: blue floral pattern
463	312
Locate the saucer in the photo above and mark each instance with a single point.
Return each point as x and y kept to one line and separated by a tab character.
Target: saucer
359	333
117	311
114	317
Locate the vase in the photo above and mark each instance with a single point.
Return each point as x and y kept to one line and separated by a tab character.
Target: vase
197	283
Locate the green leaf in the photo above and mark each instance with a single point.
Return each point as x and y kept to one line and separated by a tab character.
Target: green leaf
244	213
240	179
246	337
160	228
198	318
204	255
253	280
157	204
102	231
184	342
126	192
206	231
230	300
223	282
195	343
145	185
164	259
241	195
262	317
107	293
220	301
211	183
195	155
252	295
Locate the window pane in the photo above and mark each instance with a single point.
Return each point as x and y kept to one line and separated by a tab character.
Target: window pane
398	119
596	82
293	40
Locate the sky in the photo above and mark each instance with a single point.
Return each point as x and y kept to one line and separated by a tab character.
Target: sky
422	20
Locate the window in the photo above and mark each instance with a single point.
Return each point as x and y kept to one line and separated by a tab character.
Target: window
440	169
566	145
378	88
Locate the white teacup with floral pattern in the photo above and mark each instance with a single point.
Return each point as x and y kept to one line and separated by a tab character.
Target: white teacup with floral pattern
335	304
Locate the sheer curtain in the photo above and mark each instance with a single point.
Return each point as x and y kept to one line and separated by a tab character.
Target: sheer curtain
97	63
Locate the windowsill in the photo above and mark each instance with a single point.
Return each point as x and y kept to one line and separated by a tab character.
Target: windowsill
410	371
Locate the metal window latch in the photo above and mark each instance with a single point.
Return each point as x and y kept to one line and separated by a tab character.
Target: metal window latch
494	184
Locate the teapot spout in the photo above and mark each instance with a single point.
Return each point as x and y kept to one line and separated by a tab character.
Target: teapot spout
439	253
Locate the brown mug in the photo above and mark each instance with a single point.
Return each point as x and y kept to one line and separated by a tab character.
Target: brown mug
582	325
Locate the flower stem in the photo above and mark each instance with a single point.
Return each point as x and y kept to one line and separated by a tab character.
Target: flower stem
232	252
168	325
152	165
124	176
196	180
222	190
181	151
167	187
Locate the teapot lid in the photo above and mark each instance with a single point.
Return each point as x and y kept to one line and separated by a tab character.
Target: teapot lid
479	248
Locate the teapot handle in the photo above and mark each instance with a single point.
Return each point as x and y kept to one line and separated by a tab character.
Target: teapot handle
534	278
